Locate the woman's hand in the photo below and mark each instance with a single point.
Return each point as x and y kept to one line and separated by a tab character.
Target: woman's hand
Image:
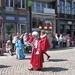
37	53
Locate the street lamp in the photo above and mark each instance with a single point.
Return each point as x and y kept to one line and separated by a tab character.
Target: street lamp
40	27
45	27
50	27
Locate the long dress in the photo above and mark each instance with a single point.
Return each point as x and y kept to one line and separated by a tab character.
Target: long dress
19	50
45	43
37	59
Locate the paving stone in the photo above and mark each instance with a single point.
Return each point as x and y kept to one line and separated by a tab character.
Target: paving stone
62	62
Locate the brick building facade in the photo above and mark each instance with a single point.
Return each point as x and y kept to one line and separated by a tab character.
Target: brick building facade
15	14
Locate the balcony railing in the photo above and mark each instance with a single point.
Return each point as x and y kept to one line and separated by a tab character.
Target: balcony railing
65	16
69	16
61	15
73	16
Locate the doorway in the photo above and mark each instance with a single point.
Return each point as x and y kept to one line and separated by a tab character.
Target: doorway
22	28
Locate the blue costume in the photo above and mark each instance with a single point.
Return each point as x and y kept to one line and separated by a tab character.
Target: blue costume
19	50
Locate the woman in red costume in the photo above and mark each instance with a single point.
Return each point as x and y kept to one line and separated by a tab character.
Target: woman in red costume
37	54
45	43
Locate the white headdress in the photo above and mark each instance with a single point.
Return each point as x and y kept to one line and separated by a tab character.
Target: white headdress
35	33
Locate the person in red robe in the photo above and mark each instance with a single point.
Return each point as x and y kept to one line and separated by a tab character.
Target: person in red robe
30	38
45	43
37	54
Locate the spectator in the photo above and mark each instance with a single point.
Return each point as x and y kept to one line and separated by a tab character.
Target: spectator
9	47
64	40
60	40
14	41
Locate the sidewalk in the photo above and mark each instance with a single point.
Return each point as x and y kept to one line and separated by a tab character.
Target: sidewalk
61	63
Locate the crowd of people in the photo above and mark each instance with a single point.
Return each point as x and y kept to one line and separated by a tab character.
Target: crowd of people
38	44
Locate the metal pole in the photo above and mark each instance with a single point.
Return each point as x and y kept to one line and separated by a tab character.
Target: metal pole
30	12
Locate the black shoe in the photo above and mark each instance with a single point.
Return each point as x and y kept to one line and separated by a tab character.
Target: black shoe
31	69
48	57
39	69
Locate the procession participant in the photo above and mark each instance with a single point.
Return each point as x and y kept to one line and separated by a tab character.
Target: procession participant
19	49
37	54
30	37
45	43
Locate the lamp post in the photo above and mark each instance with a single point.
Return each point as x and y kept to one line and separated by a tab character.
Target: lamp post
30	12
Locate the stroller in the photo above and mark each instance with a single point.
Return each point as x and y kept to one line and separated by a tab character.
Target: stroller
27	47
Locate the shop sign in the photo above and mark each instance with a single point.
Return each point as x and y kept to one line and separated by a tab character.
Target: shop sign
69	22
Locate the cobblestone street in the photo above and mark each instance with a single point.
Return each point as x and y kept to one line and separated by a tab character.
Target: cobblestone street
62	62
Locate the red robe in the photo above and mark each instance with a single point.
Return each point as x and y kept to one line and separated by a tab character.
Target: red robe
30	38
37	60
45	43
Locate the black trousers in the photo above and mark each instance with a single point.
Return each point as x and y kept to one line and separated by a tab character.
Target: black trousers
64	44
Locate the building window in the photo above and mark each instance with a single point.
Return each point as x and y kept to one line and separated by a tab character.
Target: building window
9	3
43	6
39	6
22	4
74	8
0	3
33	6
69	7
62	6
49	5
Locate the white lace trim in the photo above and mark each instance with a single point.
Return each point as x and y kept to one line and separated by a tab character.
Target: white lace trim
43	36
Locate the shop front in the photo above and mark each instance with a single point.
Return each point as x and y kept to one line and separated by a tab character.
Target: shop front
44	22
13	23
65	26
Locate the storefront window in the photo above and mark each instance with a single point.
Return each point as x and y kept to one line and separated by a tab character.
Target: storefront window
10	28
21	3
21	28
73	27
9	3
